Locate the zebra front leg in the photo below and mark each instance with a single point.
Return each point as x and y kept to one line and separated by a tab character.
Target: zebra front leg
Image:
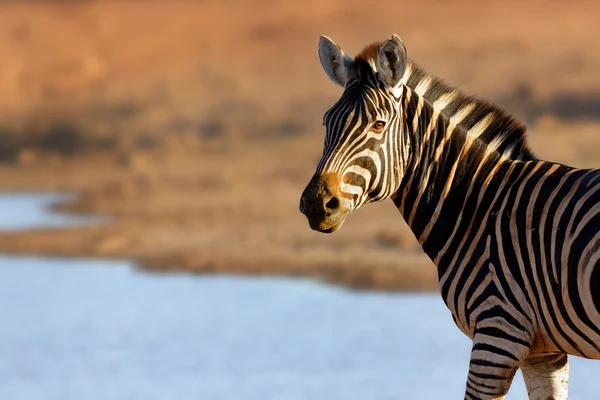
547	377
494	362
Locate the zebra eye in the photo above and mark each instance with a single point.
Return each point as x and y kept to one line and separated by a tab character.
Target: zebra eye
378	126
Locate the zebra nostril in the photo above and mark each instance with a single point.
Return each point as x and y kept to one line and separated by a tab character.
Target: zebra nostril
332	204
301	205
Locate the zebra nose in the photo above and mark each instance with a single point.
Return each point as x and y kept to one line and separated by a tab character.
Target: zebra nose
307	201
302	206
332	204
321	197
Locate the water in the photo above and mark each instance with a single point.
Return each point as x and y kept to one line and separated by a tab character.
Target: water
83	329
19	211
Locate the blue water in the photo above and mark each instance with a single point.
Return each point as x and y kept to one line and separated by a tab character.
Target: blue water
19	211
83	329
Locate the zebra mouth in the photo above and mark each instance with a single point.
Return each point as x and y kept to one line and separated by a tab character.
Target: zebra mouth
328	226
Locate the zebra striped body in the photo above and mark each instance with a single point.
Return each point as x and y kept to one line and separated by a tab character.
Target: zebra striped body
515	239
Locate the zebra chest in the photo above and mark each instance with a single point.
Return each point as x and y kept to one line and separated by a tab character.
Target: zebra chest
462	314
473	294
463	325
486	304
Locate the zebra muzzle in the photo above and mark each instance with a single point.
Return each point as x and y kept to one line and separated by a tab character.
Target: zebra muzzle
322	204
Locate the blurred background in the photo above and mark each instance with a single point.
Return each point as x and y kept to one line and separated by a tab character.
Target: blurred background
185	132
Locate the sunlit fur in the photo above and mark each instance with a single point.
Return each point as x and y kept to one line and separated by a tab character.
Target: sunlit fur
516	240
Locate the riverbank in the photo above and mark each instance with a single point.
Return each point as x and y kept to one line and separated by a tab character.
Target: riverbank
198	160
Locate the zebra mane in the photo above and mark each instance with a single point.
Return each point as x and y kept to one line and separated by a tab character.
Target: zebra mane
503	131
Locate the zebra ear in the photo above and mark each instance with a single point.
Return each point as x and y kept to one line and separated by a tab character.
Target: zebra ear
335	62
392	61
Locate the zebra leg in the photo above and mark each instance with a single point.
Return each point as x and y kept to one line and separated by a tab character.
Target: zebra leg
547	377
494	362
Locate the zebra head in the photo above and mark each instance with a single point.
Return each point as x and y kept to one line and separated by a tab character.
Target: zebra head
365	152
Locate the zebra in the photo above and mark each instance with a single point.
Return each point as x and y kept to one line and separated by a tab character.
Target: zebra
515	239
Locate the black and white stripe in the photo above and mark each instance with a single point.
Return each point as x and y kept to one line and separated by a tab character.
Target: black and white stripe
516	240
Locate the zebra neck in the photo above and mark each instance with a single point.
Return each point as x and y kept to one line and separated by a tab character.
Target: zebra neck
494	126
446	172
